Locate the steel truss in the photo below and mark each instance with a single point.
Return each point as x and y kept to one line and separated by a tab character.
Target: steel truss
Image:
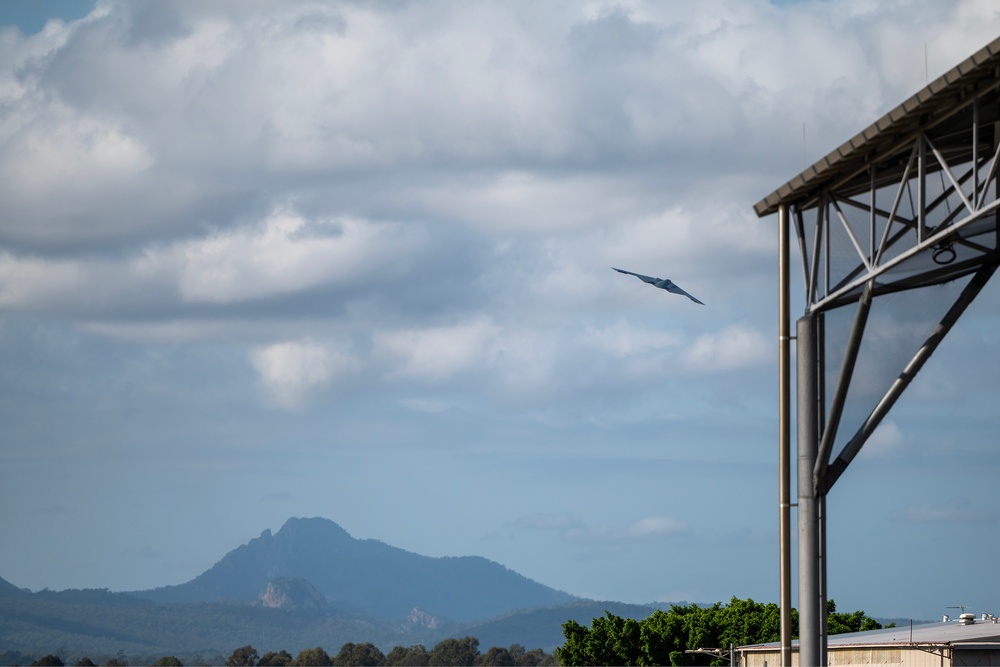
920	210
907	244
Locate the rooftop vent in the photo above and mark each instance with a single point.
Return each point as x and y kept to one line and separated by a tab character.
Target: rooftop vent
966	619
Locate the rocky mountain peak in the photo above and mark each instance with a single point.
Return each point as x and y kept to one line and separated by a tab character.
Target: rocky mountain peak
294	594
420	618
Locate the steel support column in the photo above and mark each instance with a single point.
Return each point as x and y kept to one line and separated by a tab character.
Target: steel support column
807	410
784	440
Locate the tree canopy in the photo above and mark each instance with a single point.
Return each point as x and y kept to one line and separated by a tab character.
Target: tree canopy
455	652
366	654
687	634
244	656
272	659
411	656
452	651
168	661
314	657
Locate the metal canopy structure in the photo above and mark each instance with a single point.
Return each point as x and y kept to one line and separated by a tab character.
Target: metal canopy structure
907	204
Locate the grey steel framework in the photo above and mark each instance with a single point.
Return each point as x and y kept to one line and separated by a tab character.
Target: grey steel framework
908	203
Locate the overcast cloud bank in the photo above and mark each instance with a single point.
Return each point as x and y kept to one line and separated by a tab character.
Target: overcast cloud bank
354	259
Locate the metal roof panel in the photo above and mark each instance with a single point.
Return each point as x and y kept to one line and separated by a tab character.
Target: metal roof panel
945	633
852	155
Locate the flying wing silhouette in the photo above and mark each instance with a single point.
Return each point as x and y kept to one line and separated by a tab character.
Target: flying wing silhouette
662	283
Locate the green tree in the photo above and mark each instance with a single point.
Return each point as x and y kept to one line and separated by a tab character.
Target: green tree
674	637
662	637
168	661
49	660
315	657
411	656
496	656
455	652
838	623
610	640
366	654
532	658
244	656
615	640
85	662
271	659
746	622
573	651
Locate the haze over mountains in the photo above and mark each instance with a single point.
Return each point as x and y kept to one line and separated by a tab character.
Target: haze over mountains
364	576
309	584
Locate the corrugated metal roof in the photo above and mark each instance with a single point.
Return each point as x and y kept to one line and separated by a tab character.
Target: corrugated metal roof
951	632
982	69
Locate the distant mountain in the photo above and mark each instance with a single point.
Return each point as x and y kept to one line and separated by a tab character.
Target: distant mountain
8	589
99	625
364	576
309	584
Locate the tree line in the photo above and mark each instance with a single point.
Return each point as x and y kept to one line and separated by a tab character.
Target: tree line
682	635
688	634
463	651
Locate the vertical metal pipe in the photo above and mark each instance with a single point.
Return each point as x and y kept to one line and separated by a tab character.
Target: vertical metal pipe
808	512
824	225
921	187
823	628
821	425
871	217
975	152
784	441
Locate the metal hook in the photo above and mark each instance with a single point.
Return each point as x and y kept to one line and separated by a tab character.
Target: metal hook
944	253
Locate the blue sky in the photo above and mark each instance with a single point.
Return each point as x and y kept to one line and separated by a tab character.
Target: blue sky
354	261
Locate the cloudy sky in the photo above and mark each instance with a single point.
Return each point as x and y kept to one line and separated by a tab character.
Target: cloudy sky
353	260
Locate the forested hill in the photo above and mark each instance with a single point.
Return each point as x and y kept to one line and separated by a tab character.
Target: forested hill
365	576
9	589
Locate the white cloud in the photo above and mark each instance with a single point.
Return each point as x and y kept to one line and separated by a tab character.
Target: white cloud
530	203
27	281
292	371
573	529
438	353
734	347
67	175
70	154
286	253
657	526
623	340
170	331
421	203
885	443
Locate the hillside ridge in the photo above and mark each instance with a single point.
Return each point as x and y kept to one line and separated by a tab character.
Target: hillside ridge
364	576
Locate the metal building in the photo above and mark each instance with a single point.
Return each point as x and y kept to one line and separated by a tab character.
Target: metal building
906	207
967	641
